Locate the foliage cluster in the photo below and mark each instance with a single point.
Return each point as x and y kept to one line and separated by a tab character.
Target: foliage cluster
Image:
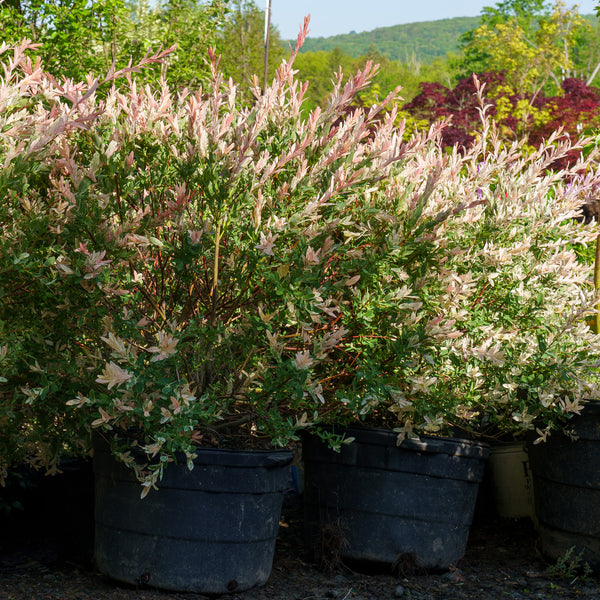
534	118
182	268
317	68
38	321
241	45
184	258
77	37
535	45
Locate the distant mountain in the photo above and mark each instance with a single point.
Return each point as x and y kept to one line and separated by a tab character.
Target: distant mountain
424	41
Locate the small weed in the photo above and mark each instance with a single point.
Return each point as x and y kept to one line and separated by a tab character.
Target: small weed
407	565
570	566
332	543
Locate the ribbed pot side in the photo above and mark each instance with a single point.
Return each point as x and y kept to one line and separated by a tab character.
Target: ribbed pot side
210	530
391	504
566	484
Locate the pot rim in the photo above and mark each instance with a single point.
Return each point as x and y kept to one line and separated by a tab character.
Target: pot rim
424	443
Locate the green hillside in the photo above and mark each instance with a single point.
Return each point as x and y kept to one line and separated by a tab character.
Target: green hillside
425	41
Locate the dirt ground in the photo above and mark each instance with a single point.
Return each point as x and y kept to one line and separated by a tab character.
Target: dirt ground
48	557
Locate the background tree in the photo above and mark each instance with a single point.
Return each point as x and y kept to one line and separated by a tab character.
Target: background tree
241	44
318	68
530	43
78	37
192	26
585	52
525	12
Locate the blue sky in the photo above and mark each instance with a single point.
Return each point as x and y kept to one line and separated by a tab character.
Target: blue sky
330	17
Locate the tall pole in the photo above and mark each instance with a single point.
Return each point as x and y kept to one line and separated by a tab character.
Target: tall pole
267	39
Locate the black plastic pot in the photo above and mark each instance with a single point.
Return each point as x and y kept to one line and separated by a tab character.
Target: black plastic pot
55	512
407	505
566	483
210	530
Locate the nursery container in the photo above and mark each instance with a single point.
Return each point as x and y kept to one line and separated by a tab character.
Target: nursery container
393	505
566	482
210	530
511	481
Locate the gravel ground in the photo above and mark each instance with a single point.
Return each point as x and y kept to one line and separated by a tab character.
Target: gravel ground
502	561
48	558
